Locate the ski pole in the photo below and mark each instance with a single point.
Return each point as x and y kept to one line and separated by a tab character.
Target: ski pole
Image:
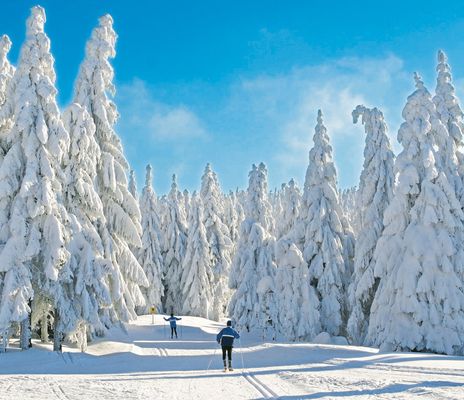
211	359
241	353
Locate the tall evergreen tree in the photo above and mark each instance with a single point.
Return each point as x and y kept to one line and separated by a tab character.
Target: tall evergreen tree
174	246
419	304
451	116
85	282
6	75
253	269
150	254
122	230
299	317
320	235
197	279
220	245
291	201
34	250
374	194
133	185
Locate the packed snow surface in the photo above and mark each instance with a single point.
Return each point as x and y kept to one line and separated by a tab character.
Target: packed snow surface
145	363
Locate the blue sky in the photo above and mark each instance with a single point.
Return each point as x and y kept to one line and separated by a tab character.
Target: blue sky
236	83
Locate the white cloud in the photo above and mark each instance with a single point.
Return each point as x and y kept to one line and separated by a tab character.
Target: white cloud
290	102
158	120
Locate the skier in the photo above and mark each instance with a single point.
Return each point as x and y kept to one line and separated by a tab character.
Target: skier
173	322
226	339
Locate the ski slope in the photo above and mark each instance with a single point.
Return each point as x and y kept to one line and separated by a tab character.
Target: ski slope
145	363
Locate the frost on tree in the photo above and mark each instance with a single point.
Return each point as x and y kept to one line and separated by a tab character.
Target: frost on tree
197	279
175	238
450	114
220	244
373	196
86	280
253	304
299	317
319	233
419	304
150	254
122	231
34	246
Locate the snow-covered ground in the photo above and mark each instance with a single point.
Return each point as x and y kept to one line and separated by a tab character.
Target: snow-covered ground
146	364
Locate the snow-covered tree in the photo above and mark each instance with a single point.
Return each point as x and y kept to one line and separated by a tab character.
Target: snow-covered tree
197	279
349	203
298	317
220	245
133	185
150	254
85	282
290	203
419	304
34	250
373	196
123	230
231	217
174	246
6	75
186	202
451	116
253	268
319	232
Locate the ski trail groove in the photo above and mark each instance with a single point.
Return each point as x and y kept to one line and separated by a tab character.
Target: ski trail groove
267	392
59	393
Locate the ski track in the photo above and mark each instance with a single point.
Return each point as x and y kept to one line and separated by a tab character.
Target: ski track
139	364
259	386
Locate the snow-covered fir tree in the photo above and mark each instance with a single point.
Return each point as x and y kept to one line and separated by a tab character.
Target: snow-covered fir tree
290	207
319	233
197	277
349	203
252	274
419	304
6	75
231	217
174	246
298	317
84	282
150	254
186	202
133	185
373	196
451	115
123	230
34	250
220	245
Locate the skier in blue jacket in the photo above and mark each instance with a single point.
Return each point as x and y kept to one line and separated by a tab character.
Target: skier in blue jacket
226	339
173	323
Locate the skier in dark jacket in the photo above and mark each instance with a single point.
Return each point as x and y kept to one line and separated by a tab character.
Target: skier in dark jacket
173	322
226	339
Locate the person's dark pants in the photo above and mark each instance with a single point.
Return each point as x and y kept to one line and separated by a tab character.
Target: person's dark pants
173	331
228	350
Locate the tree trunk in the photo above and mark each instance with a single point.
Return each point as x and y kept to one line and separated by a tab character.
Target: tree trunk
25	335
44	328
56	333
4	341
